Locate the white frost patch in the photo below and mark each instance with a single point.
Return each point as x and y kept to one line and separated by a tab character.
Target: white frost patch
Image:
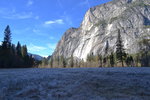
75	84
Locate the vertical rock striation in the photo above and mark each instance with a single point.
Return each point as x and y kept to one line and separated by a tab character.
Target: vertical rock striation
101	24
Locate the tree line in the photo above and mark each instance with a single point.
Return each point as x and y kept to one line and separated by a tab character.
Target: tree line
119	58
12	56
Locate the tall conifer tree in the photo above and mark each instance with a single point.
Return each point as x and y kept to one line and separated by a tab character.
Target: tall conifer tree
112	60
72	62
7	37
18	48
120	51
24	51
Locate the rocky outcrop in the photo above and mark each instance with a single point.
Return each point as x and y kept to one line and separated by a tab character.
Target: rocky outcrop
101	24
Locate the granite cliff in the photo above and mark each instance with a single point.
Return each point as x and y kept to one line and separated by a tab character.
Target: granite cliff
101	24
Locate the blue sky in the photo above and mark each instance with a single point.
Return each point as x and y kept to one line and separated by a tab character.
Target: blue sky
40	23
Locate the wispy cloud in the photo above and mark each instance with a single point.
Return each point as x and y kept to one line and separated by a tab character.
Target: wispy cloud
58	21
13	14
30	3
24	15
34	48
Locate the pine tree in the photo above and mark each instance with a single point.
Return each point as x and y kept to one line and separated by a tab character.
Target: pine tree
44	62
104	61
24	51
72	62
32	61
90	57
64	62
6	54
51	62
100	59
107	47
129	61
7	37
145	48
58	60
11	56
137	60
120	51
6	44
18	48
13	49
24	56
112	60
76	63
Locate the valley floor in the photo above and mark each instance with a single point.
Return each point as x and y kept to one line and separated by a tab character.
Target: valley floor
75	84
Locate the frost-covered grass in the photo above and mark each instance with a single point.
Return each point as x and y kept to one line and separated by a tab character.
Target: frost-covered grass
75	84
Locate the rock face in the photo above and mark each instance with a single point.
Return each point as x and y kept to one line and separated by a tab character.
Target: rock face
36	57
101	24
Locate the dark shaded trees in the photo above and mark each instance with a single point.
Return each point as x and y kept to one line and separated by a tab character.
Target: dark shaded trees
28	60
18	49
51	61
120	51
64	62
71	61
7	37
105	59
12	56
24	51
107	48
145	52
112	60
129	61
6	54
44	62
100	59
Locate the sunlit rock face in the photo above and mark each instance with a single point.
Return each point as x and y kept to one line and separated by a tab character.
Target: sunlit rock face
101	24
